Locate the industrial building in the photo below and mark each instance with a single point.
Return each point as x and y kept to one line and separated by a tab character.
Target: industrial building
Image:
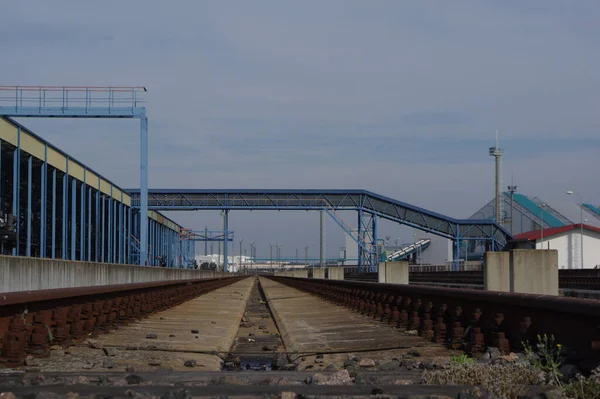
571	227
532	221
54	206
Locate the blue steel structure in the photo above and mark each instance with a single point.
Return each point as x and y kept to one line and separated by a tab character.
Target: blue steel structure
85	102
65	210
370	207
190	237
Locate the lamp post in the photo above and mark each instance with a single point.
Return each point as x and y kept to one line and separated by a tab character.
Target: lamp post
581	221
542	223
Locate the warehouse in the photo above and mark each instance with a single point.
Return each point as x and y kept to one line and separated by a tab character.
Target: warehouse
59	208
553	224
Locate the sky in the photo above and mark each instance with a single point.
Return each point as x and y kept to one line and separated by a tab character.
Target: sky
400	98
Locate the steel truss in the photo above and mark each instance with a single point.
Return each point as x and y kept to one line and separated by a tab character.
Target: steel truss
86	102
370	207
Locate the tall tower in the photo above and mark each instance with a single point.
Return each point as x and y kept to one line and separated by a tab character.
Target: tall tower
498	154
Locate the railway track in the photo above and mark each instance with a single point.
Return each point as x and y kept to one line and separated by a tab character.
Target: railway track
263	336
588	280
31	321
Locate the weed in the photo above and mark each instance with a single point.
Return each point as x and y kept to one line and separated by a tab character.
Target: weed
545	356
462	359
584	388
502	380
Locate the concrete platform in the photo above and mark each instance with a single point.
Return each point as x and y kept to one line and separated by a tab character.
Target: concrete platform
215	315
310	325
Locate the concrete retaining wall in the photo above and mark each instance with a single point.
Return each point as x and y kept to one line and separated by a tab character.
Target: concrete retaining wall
26	274
534	271
393	272
496	271
336	273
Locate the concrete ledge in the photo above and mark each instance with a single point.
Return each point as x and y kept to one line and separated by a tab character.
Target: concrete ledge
19	273
496	271
534	271
336	273
393	272
319	273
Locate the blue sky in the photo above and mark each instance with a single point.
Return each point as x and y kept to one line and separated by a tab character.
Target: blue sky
401	98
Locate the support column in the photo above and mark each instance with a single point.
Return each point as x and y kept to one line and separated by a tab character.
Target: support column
116	222
322	255
103	229
73	218
54	214
82	218
97	225
17	190
150	243
89	229
43	222
143	189
360	233
129	232
29	177
121	231
374	254
109	229
115	242
226	236
65	214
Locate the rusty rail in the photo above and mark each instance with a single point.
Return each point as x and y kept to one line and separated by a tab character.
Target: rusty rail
469	319
568	279
31	321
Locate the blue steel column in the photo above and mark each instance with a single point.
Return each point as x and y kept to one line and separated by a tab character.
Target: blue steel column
360	217
44	176
103	226
65	214
29	167
374	257
129	232
114	233
121	228
97	226
151	239
456	265
17	190
54	214
109	228
143	189
89	230
1	171
226	241
73	218
82	219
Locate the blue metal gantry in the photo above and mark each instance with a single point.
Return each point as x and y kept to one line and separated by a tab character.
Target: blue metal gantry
370	207
84	102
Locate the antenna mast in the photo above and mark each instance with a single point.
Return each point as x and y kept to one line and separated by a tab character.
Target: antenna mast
498	154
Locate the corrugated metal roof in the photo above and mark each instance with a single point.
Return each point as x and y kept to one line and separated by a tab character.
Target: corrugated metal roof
572	211
537	234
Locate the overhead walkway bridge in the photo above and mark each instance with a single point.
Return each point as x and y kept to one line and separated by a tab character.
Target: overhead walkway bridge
369	206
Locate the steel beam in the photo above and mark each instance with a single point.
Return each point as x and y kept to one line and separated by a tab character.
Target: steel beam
82	218
17	190
225	243
29	177
89	222
103	232
143	189
73	218
65	213
43	203
54	214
